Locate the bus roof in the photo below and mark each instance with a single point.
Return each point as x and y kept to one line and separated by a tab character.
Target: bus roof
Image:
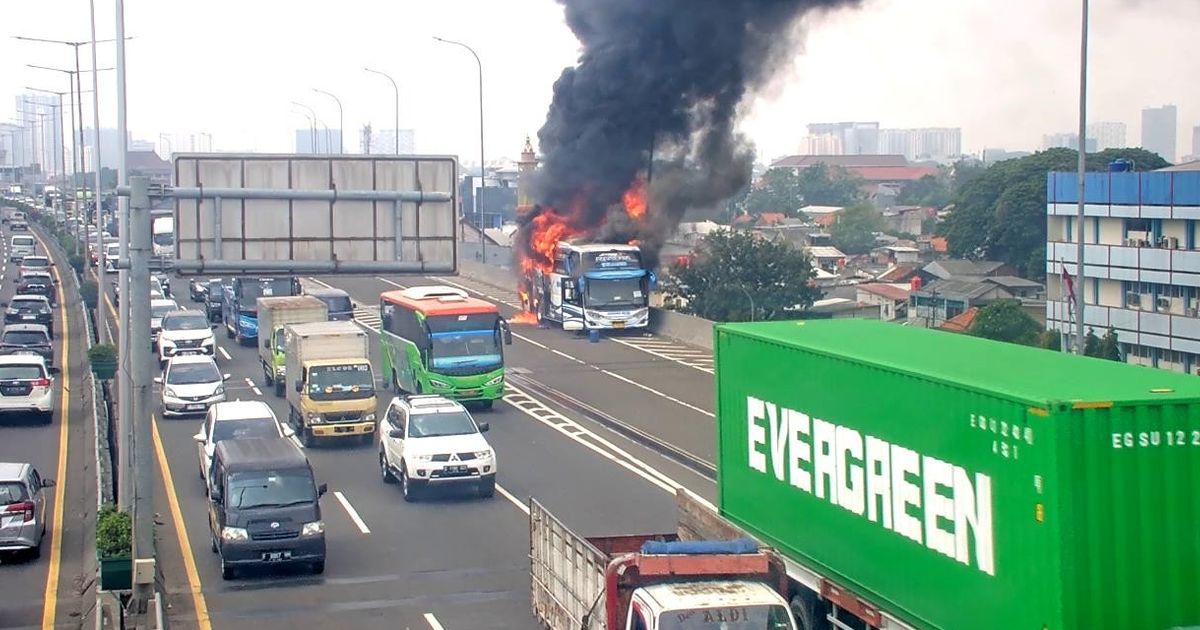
439	303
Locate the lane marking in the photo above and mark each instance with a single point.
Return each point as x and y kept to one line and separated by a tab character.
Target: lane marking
50	594
513	499
433	622
362	527
224	353
185	545
254	388
528	340
654	350
295	440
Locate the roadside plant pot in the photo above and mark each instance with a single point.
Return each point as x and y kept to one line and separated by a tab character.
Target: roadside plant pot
114	549
89	292
103	357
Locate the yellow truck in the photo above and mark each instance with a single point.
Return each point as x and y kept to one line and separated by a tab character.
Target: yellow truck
273	314
330	382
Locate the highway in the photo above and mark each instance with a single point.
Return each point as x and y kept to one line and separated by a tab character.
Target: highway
456	562
45	592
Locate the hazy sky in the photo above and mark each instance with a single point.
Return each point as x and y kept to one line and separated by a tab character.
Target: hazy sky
1005	71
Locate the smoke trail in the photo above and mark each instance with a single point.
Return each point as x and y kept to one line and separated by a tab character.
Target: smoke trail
667	74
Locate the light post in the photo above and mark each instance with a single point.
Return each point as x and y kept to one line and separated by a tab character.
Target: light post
482	168
748	297
397	90
46	150
312	122
62	151
1082	147
341	120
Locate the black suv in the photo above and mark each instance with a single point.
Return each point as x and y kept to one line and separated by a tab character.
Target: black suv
27	339
30	309
214	294
38	283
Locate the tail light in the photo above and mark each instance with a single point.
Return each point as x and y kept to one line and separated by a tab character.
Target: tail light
25	508
41	382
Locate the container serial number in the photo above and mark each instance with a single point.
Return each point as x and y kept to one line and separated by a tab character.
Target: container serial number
1154	439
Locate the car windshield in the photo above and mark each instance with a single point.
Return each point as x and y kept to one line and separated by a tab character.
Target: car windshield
247	428
336	303
193	373
35	261
24	337
341	382
157	311
622	292
186	322
23	241
271	488
758	617
29	305
12	492
27	372
439	424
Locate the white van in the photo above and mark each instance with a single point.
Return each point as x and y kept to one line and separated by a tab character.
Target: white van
22	245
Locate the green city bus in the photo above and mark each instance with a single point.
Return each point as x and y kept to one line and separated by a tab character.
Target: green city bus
439	340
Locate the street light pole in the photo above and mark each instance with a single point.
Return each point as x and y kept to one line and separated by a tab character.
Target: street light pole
101	329
312	122
62	150
1079	214
397	90
482	167
341	120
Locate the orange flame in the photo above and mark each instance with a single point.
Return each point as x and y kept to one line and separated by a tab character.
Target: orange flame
634	199
524	317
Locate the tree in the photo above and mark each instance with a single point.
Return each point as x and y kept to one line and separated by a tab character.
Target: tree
821	185
1050	340
929	191
777	191
1106	347
854	232
733	268
786	190
999	212
1091	344
1005	320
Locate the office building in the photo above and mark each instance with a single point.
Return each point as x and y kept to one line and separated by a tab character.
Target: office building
1067	141
42	135
929	143
822	144
1158	131
319	141
1141	271
896	142
857	138
384	141
1107	135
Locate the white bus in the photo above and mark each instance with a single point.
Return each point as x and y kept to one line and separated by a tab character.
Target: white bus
592	286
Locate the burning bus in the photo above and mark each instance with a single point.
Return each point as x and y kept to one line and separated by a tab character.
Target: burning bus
585	286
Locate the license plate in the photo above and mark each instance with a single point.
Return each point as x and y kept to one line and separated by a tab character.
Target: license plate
275	556
11	521
13	391
29	317
195	407
455	470
618	324
468	392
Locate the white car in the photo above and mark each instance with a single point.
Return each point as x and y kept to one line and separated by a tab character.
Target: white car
430	441
234	420
190	385
26	386
32	263
158	310
112	253
185	332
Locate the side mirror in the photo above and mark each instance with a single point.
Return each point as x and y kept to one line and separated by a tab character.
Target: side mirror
299	386
288	432
226	377
48	483
506	332
484	427
54	369
199	438
322	489
158	380
396	434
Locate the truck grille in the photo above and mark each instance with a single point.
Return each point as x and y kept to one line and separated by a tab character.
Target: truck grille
334	418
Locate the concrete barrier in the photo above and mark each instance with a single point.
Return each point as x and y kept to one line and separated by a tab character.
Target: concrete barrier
495	276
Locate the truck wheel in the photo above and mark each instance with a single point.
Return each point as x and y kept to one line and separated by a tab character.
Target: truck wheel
804	612
267	379
384	471
486	404
306	437
318	567
229	333
227	572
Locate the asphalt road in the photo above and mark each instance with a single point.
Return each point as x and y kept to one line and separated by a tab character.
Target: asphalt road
48	592
457	562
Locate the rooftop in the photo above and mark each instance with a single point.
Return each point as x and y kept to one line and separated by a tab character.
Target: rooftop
889	291
1013	282
1186	166
825	251
893	173
966	289
821	209
710	594
952	267
961	323
804	161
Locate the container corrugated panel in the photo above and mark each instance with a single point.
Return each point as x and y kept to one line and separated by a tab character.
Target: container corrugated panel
1186	188
1156	188
1125	188
961	483
1095	188
1065	188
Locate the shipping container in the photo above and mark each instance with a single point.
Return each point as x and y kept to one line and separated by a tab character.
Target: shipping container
965	484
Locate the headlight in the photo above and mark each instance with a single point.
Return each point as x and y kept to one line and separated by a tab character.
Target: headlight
166	343
483	454
313	528
370	417
169	392
422	458
234	533
313	417
219	391
208	342
436	383
494	381
283	370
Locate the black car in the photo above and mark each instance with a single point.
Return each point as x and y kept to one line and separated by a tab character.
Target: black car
38	283
27	339
30	309
214	293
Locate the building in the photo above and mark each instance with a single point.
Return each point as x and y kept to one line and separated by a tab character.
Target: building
824	216
991	156
1142	268
895	255
958	269
1158	131
149	164
1195	144
42	133
892	299
822	144
309	141
383	141
857	138
827	257
1066	141
526	168
933	304
897	142
1108	135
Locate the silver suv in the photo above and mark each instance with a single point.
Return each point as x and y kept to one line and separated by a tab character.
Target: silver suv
26	386
22	509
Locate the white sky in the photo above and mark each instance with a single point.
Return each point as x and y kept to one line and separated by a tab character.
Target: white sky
1006	71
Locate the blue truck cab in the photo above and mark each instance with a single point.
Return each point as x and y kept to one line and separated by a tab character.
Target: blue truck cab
239	306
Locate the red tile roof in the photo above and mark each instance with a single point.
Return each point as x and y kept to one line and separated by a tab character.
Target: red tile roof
892	173
898	273
771	218
961	323
885	290
941	245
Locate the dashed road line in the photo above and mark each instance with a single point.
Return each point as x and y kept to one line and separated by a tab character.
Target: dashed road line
224	353
433	622
254	388
513	499
362	527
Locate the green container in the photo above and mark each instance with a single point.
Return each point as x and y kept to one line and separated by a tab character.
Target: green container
116	574
964	484
104	369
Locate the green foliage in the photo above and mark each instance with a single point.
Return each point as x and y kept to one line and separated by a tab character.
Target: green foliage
854	232
90	293
1005	320
929	191
102	353
733	267
1050	340
76	261
786	190
1000	212
1091	344
114	533
1106	347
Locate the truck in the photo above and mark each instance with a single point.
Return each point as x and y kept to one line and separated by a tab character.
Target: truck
330	382
273	314
590	286
162	235
239	306
920	479
645	581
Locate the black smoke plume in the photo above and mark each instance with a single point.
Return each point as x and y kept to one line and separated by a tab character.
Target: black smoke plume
661	76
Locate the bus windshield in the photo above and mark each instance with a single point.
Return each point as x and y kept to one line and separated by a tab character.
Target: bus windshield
464	340
164	239
253	289
615	293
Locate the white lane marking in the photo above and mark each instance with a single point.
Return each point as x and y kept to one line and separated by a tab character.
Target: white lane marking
254	388
295	440
362	527
224	353
684	360
433	622
528	340
395	284
513	499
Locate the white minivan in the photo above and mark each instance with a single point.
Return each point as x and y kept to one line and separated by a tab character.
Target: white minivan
22	245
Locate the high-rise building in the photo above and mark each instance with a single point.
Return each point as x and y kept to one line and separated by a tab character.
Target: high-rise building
1108	135
857	138
318	141
42	135
937	143
897	142
1196	143
1067	141
1141	267
1158	131
384	141
822	144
